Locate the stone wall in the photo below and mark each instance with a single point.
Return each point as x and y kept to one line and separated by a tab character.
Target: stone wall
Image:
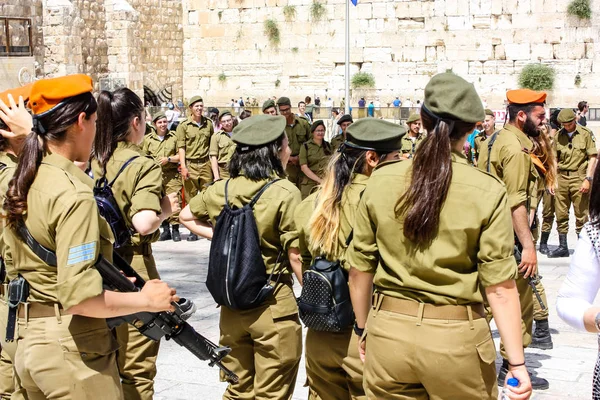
403	43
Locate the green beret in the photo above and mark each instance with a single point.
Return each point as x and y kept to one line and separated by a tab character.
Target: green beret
412	118
268	104
284	101
565	115
316	124
448	96
375	134
258	130
195	99
158	115
345	118
224	113
489	112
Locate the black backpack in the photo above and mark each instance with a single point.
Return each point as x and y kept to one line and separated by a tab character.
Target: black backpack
237	276
109	210
324	303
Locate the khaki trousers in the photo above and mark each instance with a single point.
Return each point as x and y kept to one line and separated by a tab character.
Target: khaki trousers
538	313
172	183
266	346
200	176
408	357
73	358
9	381
567	194
332	372
137	354
547	212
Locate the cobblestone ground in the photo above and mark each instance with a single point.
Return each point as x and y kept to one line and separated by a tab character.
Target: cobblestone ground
568	367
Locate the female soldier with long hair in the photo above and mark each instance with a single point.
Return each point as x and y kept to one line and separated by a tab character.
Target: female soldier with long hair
333	367
138	192
430	261
265	341
64	348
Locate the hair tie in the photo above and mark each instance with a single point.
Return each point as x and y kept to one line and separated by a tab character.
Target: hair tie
38	127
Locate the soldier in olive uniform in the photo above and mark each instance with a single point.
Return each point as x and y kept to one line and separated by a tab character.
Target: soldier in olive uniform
325	220
297	130
222	147
162	146
266	341
269	107
18	124
429	261
509	159
413	137
576	152
314	157
139	194
489	126
344	122
193	141
64	347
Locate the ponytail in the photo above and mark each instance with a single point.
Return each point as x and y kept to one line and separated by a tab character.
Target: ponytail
54	125
421	204
116	110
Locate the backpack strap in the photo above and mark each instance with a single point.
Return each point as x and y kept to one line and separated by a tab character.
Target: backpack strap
351	234
490	144
3	166
122	169
46	255
260	192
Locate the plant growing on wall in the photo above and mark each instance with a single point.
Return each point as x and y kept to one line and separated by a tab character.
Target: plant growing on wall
577	80
537	77
363	80
222	77
289	12
272	32
580	9
294	50
277	82
317	10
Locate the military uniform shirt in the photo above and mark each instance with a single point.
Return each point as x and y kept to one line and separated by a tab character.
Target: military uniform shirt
10	161
337	141
62	216
222	147
158	149
349	204
409	146
479	140
139	187
297	134
195	138
510	161
274	212
473	247
573	153
315	156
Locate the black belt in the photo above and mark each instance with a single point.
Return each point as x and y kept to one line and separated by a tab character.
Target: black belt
197	160
568	173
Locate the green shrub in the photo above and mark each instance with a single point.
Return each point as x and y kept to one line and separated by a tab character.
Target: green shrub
317	10
289	12
580	9
272	32
537	77
277	83
294	50
363	80
222	77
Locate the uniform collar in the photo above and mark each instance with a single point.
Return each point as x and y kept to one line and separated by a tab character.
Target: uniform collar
190	121
222	132
130	146
564	131
459	158
360	178
67	165
521	136
154	135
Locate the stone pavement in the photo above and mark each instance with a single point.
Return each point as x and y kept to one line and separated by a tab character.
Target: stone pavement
569	366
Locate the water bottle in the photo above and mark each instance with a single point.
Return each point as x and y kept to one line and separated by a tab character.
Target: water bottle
512	382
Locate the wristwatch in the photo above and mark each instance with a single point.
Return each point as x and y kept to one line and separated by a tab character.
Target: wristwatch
168	159
597	322
588	178
360	331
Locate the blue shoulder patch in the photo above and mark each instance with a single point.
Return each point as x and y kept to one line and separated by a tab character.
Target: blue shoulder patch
81	253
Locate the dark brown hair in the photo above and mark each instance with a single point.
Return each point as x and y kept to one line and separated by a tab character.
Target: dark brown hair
116	110
421	204
51	127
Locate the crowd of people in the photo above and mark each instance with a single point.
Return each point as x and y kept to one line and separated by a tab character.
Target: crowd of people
380	201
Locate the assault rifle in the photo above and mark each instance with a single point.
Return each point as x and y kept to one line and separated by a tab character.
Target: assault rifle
170	325
532	281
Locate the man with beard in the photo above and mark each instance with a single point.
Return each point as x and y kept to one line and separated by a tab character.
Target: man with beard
193	141
576	152
414	137
507	156
489	126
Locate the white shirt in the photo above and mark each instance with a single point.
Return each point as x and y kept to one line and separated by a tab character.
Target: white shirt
581	284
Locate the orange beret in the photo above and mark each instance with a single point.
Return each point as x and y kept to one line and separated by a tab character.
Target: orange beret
23	91
48	93
525	96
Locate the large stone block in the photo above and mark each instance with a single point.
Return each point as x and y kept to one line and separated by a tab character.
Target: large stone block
573	51
517	51
543	51
458	23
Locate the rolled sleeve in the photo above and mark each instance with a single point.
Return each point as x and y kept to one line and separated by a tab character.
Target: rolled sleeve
148	191
198	206
288	234
363	253
515	173
214	146
303	155
180	134
77	248
496	263
591	146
